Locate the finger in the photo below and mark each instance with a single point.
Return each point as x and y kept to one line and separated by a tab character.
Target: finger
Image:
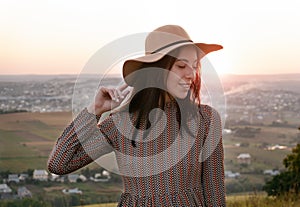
116	95
125	93
122	87
111	94
120	94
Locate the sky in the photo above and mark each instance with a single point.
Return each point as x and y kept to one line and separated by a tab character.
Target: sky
59	37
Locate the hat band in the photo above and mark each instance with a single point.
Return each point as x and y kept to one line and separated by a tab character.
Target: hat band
169	45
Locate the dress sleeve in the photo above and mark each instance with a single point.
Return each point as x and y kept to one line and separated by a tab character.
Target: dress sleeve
81	143
213	162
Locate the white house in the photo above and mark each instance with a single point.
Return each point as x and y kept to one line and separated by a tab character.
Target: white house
101	177
72	191
5	192
41	175
72	178
61	179
230	174
53	177
23	176
82	178
106	174
275	147
4	188
244	158
271	172
13	178
23	192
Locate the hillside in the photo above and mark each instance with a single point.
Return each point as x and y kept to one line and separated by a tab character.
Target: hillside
27	138
262	120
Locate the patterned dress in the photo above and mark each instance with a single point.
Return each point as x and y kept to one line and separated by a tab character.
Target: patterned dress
167	167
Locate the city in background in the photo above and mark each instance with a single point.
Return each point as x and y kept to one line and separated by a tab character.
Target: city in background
261	128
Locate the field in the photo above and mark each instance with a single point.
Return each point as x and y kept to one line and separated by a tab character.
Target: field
25	143
260	200
26	140
242	200
252	175
102	205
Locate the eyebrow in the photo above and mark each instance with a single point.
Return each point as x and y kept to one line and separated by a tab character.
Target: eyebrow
185	60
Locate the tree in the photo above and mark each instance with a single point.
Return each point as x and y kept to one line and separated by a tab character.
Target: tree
292	163
288	181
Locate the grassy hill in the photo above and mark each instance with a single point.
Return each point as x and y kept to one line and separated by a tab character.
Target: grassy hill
241	200
27	138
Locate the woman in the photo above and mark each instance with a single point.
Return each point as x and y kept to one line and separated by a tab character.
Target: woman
168	145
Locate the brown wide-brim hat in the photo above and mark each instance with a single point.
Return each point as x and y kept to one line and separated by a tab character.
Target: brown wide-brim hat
160	42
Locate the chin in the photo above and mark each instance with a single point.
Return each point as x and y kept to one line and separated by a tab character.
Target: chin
181	96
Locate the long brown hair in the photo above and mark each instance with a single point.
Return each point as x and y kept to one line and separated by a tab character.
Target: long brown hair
143	101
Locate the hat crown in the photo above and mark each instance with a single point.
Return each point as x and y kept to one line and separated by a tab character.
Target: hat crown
164	36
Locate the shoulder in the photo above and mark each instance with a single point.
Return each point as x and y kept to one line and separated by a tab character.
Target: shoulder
114	120
209	113
207	110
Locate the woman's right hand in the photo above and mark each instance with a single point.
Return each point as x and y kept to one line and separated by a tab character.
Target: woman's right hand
107	99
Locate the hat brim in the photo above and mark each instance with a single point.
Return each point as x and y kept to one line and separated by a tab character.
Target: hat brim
132	65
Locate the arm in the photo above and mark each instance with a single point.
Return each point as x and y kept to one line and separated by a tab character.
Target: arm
82	141
213	163
80	144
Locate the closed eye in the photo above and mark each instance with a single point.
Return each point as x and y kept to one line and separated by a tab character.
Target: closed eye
181	64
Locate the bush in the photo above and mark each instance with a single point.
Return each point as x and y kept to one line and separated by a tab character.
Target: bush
25	203
288	181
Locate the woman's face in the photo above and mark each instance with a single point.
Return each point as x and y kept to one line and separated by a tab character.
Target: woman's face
183	72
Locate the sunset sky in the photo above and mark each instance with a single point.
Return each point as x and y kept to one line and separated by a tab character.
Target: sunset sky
59	37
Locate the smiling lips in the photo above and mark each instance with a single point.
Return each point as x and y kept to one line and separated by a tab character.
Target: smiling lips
185	85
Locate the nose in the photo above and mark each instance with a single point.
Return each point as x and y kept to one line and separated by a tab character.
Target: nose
190	72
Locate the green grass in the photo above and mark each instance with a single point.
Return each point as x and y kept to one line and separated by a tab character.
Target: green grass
17	156
26	139
261	159
241	200
31	136
101	205
261	200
